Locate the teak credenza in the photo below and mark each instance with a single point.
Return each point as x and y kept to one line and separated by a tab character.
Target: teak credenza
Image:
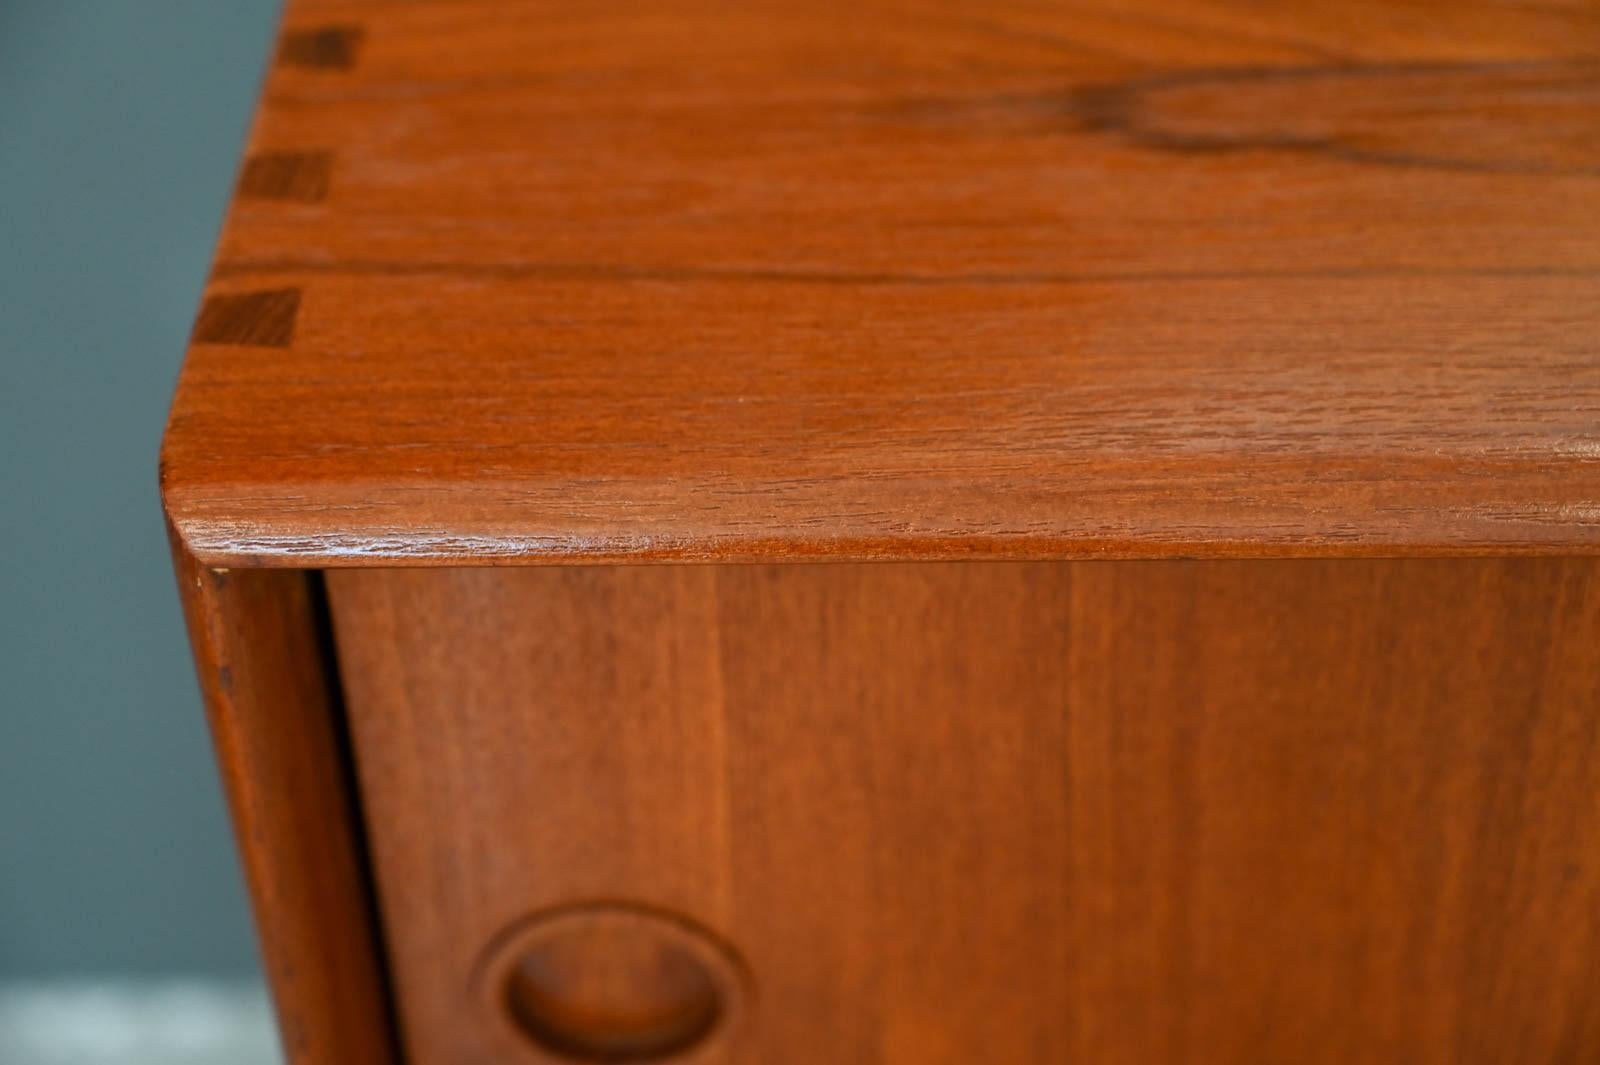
876	533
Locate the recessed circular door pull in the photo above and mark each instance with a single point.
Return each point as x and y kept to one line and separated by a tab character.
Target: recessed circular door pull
610	982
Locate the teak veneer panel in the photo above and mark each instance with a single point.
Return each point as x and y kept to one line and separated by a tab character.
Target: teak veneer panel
528	281
1012	813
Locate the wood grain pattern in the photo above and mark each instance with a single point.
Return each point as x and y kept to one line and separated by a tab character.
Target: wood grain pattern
865	280
261	319
271	697
1131	813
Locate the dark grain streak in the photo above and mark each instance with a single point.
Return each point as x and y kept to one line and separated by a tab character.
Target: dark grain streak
321	48
301	177
1133	111
622	272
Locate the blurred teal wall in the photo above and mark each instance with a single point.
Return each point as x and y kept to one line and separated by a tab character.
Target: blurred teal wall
120	123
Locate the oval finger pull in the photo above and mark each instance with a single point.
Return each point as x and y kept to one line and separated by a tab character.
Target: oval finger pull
609	982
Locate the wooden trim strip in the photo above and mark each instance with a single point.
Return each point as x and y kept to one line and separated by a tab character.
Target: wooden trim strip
272	697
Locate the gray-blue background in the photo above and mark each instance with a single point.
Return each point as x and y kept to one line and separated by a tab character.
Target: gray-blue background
120	124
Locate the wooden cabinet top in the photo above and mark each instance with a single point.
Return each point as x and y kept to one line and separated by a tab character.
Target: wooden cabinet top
724	279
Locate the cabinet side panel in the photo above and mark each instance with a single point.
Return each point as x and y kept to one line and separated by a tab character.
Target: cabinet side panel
1016	813
270	694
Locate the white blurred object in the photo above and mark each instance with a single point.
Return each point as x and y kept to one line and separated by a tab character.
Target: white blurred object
156	1022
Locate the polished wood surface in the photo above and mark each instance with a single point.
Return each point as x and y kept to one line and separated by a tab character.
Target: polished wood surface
1014	813
527	281
924	311
270	692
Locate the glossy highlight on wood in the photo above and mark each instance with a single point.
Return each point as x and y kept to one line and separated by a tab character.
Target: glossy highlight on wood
752	281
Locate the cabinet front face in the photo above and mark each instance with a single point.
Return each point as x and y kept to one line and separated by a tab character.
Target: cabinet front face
1009	813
